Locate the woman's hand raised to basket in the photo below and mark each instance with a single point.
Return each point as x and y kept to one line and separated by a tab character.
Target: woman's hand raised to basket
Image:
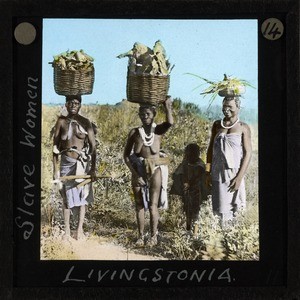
168	103
168	107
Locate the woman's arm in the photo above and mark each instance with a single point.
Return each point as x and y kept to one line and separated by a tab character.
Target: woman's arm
211	143
127	151
209	154
247	152
137	179
168	107
162	128
92	150
56	144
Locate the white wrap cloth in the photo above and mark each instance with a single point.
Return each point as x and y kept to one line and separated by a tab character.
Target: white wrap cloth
226	161
76	196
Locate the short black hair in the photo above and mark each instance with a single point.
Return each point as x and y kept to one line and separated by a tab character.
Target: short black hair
192	152
73	97
236	99
147	106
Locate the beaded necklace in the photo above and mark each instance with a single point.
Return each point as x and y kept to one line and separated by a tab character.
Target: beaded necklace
228	127
148	139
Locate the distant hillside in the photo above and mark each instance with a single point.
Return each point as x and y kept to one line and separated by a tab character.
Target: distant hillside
248	115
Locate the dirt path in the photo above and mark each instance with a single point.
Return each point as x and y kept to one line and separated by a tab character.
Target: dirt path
90	248
101	249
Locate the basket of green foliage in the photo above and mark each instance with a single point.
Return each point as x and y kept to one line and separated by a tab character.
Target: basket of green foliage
74	73
228	87
148	74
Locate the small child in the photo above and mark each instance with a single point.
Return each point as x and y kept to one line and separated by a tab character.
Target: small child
189	177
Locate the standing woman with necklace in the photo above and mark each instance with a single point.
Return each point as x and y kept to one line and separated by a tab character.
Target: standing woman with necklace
228	158
74	153
148	167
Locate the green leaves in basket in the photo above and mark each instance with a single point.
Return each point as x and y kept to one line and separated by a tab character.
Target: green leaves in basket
73	60
229	86
143	60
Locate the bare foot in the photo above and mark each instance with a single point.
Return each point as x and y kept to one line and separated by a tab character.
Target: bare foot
140	242
153	241
66	237
79	235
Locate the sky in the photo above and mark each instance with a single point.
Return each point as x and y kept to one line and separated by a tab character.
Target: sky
208	48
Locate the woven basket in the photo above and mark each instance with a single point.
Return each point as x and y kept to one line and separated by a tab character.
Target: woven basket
145	88
69	82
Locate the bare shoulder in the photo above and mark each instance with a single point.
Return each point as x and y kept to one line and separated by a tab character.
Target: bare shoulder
245	127
130	140
133	132
61	120
216	124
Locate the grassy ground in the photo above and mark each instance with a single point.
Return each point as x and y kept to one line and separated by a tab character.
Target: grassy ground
112	215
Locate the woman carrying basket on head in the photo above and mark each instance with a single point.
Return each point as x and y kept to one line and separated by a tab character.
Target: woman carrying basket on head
148	167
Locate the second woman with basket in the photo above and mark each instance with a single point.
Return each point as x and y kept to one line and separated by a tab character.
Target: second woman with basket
147	85
148	167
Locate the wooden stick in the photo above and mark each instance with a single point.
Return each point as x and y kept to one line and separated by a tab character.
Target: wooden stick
86	177
84	183
71	177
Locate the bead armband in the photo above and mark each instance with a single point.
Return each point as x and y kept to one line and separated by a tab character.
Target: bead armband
207	168
55	150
